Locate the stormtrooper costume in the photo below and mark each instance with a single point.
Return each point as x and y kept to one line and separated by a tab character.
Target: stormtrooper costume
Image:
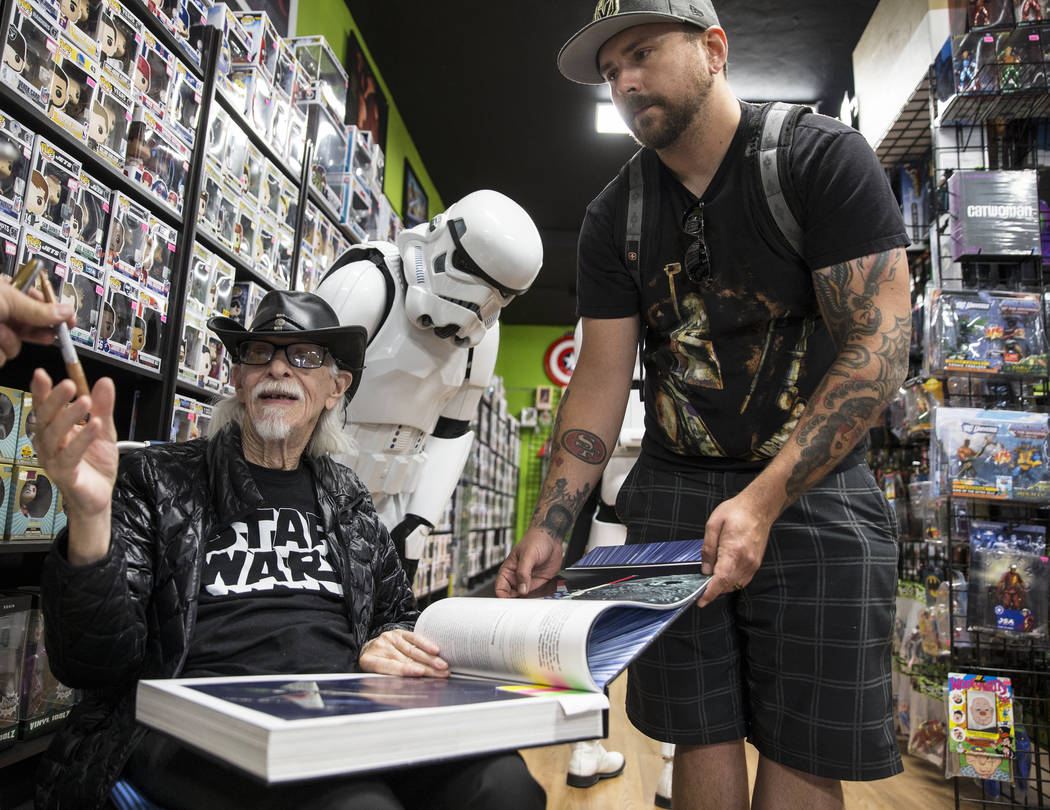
431	305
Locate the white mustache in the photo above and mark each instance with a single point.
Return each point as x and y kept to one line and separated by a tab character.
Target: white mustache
284	388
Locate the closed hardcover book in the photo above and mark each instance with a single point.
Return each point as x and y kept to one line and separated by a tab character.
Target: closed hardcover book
525	672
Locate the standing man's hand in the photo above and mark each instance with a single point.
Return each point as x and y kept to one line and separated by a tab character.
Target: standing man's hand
734	543
26	317
531	564
81	458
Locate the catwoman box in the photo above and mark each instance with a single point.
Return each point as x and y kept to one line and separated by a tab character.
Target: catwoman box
996	455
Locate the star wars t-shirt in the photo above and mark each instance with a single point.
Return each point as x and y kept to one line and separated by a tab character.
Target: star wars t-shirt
733	353
271	600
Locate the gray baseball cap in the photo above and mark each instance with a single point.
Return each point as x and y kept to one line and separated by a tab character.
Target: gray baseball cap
578	58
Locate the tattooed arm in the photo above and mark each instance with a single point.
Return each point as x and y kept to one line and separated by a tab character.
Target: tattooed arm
588	422
866	306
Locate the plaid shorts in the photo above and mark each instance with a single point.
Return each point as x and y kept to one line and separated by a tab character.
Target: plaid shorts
798	662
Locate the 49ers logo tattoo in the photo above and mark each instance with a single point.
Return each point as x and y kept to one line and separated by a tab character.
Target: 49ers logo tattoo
584	445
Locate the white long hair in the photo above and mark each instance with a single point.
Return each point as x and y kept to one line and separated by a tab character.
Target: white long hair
328	439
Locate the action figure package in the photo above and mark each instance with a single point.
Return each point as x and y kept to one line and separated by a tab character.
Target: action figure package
254	173
270	190
288	206
263	249
78	21
1031	12
147	330
245	301
296	138
980	714
228	214
218	125
198	286
53	255
984	14
154	75
117	319
109	121
184	419
256	93
209	212
1019	53
54	184
973	58
928	727
359	209
994	213
282	259
84	288
156	160
128	236
263	41
995	455
915	182
185	104
33	509
10	408
190	348
235	45
73	86
158	259
244	230
16	156
87	227
324	79
25	452
220	294
14	619
29	52
286	72
119	41
204	414
1008	588
10	232
330	139
279	126
986	332
210	368
235	157
46	702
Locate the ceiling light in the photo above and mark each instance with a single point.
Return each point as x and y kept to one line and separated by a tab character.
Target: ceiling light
607	120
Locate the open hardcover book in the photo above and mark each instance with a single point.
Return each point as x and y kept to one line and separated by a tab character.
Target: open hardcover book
526	672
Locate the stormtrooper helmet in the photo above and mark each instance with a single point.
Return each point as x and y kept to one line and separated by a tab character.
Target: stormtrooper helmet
466	264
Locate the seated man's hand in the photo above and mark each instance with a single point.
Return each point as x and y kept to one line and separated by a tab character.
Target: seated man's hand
402	652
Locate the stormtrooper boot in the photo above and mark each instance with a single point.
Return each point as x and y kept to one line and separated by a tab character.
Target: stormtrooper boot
591	762
663	787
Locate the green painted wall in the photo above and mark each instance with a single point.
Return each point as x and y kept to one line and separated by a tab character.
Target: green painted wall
332	19
520	362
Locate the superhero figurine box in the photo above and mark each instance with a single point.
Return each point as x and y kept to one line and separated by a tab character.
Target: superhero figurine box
1009	578
984	14
994	213
996	455
1031	12
986	332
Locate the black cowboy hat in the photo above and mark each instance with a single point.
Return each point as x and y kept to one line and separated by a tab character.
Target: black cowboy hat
307	318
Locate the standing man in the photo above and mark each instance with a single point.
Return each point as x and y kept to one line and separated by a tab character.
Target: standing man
763	369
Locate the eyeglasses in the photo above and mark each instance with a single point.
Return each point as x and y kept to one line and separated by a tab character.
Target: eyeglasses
697	260
300	355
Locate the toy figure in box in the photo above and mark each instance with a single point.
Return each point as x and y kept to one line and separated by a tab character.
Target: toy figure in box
15	50
15	153
29	61
1011	591
989	14
1028	11
966	456
118	43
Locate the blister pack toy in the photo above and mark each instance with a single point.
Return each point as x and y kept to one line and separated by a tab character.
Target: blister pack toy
984	14
1008	578
998	455
986	332
980	714
929	729
973	59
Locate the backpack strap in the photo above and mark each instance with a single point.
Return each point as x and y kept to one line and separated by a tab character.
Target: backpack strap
632	251
774	147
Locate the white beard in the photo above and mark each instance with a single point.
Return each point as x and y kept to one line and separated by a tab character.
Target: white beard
272	424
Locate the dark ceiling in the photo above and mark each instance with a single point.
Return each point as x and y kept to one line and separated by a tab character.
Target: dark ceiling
477	87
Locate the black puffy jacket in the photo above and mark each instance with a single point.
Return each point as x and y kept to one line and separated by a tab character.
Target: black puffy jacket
131	614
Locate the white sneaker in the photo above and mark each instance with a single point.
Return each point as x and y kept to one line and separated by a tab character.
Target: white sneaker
663	787
591	762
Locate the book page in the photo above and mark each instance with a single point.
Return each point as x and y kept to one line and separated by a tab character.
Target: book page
527	640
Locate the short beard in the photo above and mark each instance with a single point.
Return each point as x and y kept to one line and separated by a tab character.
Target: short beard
271	425
678	119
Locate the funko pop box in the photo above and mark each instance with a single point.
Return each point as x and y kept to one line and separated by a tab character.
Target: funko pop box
16	154
10	410
32	504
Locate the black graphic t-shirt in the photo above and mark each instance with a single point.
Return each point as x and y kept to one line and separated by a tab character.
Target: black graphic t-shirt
732	358
271	600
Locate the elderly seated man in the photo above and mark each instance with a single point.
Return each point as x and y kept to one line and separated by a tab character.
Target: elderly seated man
249	552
